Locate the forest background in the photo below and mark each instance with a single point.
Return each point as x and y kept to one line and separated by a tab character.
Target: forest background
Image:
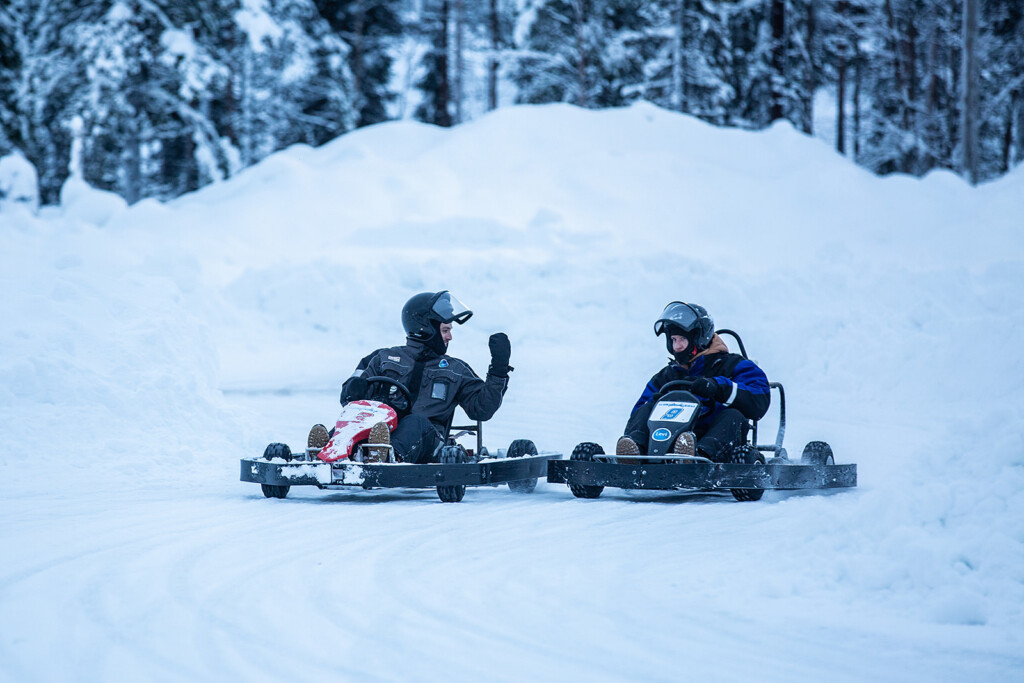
156	98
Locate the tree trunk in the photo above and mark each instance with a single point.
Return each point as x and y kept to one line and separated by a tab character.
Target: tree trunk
841	108
579	23
969	106
1018	146
492	65
443	93
810	74
132	167
858	78
777	20
355	60
460	21
676	95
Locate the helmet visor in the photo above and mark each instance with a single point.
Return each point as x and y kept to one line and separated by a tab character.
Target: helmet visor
448	309
679	314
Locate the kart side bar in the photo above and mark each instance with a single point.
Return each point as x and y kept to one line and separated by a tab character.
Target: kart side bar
393	475
702	476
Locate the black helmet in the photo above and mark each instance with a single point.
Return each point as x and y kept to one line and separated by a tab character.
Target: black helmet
423	314
690	320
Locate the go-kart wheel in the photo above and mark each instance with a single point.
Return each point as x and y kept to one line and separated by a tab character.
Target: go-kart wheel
272	491
748	455
276	450
450	455
518	449
585	452
817	453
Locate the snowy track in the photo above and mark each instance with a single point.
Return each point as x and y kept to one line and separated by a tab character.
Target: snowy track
146	350
395	585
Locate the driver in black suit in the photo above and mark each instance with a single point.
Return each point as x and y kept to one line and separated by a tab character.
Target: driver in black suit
437	382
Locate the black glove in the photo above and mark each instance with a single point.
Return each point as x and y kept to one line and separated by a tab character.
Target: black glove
501	351
355	389
709	388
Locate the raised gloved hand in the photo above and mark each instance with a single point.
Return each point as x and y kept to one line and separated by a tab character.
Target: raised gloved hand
709	388
501	351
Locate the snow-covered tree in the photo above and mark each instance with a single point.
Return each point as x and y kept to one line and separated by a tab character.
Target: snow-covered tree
370	28
292	82
38	74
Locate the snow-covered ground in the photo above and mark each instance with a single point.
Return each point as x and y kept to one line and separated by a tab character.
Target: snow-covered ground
145	350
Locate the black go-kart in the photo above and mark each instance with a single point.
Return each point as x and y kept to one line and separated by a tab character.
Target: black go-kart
589	469
347	461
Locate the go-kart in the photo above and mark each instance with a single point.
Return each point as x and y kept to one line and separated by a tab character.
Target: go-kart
347	460
589	469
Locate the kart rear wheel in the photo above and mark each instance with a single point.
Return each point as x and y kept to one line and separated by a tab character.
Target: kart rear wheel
518	449
276	450
817	453
451	455
748	455
585	452
272	491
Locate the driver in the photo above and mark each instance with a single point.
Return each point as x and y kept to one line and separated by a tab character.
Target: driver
734	389
437	382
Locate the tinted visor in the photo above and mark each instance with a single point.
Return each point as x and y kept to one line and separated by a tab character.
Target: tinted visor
679	314
448	309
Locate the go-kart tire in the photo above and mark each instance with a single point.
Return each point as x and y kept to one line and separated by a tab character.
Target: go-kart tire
748	455
276	450
518	449
585	452
451	455
817	453
273	491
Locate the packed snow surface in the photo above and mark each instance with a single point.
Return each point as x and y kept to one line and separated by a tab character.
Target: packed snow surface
144	351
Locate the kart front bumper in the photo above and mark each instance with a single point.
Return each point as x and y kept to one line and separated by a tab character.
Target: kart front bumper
707	476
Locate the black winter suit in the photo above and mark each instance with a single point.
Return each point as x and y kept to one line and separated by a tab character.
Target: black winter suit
445	382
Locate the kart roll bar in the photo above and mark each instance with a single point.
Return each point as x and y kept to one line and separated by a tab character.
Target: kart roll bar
477	429
777	446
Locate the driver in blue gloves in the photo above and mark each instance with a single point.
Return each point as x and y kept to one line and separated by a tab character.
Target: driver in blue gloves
732	388
437	382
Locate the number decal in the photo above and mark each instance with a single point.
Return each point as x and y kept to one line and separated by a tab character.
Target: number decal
673	411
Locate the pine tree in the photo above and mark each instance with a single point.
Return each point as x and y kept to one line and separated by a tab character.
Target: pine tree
435	83
292	78
38	74
370	28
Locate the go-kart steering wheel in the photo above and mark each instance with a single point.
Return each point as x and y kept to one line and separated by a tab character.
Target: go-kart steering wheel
381	379
683	384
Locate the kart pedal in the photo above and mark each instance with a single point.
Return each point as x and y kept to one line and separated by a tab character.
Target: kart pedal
318	437
626	446
686	444
380	435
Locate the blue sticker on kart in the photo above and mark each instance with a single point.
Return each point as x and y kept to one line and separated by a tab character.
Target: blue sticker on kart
661	434
443	363
673	411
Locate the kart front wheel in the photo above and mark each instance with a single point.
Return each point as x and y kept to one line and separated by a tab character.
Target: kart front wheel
750	456
585	452
518	449
451	455
276	450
